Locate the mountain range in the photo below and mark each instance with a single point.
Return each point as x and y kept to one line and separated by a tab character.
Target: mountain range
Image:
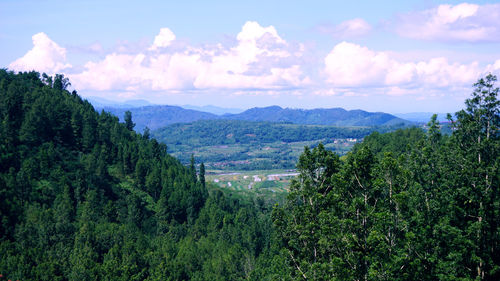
319	116
158	116
100	103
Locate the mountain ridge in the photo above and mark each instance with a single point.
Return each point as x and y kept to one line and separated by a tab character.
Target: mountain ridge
158	116
318	116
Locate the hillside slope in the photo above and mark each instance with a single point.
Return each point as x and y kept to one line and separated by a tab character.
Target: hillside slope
84	197
158	116
331	116
239	144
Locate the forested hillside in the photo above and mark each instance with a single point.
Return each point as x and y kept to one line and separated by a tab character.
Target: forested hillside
220	132
319	116
84	197
158	116
250	145
403	205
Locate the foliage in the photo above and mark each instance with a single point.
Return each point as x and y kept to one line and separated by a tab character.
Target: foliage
405	205
248	145
84	197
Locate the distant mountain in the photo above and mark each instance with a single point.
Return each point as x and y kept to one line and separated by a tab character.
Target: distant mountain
158	116
331	116
214	109
421	117
100	103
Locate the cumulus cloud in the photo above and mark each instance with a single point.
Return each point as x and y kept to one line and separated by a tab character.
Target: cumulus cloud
352	65
347	29
261	61
162	40
217	67
463	22
494	67
45	56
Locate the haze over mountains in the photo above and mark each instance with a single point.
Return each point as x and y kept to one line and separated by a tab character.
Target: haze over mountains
421	117
158	116
320	116
214	109
98	102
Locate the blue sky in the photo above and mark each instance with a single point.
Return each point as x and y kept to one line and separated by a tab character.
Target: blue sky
393	56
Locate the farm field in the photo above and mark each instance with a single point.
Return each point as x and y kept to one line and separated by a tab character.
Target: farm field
257	156
244	145
269	184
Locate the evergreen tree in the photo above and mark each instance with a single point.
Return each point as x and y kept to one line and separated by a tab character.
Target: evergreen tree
202	175
128	120
192	168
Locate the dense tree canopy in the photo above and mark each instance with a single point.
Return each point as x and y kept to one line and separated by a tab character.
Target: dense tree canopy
406	205
84	197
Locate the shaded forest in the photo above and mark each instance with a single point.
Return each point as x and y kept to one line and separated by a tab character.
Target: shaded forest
406	205
84	197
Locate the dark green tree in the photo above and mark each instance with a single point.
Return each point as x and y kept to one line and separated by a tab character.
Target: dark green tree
202	175
192	168
61	82
128	120
476	139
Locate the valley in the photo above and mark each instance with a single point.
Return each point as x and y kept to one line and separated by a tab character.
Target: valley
231	145
89	198
245	149
249	140
267	186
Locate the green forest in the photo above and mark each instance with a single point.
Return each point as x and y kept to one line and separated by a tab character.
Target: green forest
84	197
252	145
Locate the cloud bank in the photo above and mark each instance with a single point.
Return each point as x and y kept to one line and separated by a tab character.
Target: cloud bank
459	23
45	56
260	61
352	65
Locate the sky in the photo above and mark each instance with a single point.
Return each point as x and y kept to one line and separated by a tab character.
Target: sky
392	56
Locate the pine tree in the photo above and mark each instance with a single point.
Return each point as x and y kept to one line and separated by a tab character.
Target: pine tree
128	120
476	136
202	175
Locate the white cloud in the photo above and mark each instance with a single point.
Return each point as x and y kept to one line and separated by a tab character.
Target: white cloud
463	22
261	59
494	68
45	56
351	65
238	67
163	39
252	31
347	29
325	92
116	71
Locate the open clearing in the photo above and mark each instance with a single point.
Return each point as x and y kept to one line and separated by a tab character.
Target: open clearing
272	183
